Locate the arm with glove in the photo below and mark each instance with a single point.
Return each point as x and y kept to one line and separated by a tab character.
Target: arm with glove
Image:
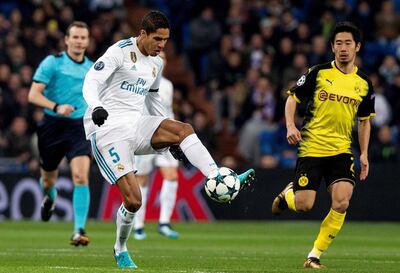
98	74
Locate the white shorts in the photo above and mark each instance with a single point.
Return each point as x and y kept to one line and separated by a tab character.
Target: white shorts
116	158
145	163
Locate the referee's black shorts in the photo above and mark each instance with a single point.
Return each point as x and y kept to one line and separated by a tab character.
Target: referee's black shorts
311	170
59	137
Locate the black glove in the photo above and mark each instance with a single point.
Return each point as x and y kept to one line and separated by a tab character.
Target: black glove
99	115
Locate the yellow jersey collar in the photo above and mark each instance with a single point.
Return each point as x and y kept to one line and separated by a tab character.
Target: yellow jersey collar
336	68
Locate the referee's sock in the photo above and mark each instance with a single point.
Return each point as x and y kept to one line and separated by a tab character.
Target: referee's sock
51	192
80	201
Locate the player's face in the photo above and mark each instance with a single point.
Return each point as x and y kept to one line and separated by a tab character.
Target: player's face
155	42
345	48
77	41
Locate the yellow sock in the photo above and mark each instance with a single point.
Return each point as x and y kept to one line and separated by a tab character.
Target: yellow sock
330	227
289	197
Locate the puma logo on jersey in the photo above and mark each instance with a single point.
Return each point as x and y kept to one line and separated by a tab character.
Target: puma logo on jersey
331	82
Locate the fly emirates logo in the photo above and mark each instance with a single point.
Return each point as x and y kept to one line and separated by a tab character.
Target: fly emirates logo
323	96
137	87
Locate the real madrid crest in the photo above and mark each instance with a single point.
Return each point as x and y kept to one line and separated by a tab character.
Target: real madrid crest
120	167
133	57
154	72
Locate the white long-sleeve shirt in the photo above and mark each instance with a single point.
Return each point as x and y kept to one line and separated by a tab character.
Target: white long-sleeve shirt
122	81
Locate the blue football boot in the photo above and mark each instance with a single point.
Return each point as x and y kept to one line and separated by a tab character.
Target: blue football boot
139	234
246	178
124	260
166	230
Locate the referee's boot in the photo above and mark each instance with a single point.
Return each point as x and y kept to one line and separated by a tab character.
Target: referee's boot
279	204
79	238
47	208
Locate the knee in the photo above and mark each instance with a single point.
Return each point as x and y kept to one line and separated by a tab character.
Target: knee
304	205
79	179
340	205
48	181
185	130
132	204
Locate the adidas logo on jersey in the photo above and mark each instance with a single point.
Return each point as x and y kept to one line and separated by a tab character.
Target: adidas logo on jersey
133	68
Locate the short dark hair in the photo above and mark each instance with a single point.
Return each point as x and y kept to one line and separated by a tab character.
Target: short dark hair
76	24
153	21
346	26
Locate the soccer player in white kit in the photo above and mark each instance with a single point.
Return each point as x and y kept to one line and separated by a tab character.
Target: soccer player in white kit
169	170
118	86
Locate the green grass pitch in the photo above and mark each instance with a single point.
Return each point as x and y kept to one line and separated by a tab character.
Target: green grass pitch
229	246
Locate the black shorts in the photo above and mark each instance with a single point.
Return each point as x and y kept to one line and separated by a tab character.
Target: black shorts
59	137
311	170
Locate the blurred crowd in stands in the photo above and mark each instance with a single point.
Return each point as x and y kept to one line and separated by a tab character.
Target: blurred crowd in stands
231	62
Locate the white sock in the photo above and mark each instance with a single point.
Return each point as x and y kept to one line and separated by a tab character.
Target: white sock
138	222
124	226
313	255
167	200
197	154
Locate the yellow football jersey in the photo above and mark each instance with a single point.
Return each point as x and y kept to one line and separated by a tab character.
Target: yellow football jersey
333	100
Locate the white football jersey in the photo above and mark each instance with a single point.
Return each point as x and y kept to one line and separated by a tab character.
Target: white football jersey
166	92
122	81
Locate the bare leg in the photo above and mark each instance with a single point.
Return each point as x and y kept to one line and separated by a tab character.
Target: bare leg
141	213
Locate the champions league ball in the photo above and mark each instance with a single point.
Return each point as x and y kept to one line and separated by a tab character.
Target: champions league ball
222	185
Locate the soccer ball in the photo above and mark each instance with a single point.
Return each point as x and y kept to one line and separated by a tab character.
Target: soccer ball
222	185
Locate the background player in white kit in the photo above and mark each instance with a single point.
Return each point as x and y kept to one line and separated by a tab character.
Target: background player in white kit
169	170
116	88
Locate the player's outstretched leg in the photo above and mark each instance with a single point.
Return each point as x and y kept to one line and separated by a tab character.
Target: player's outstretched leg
247	178
166	230
124	260
79	238
197	154
314	263
279	204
